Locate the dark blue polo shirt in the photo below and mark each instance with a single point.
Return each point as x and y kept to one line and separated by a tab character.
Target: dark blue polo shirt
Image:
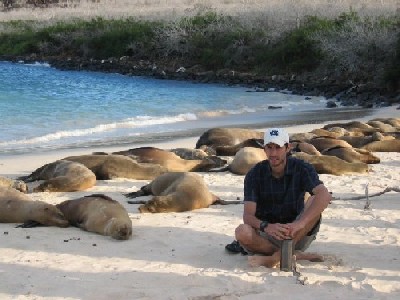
280	200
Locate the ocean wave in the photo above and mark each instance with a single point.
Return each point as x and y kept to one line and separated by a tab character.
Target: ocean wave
137	122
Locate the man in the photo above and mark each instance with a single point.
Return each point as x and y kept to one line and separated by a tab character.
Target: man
274	206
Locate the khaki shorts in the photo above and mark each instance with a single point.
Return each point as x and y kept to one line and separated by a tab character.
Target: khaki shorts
301	245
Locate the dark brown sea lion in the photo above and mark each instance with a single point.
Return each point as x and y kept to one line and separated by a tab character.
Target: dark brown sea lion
322	143
17	207
353	155
175	192
227	136
100	214
62	176
325	164
13	183
232	150
383	146
171	161
118	166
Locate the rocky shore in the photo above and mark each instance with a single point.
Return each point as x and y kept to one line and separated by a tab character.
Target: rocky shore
339	89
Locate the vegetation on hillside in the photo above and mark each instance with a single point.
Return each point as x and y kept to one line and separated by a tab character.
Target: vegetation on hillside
349	43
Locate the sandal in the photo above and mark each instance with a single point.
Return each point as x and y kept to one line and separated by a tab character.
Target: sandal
235	247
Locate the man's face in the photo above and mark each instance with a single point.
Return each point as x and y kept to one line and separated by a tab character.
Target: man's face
276	154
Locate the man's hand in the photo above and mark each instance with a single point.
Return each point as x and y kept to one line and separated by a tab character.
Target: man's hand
278	231
295	228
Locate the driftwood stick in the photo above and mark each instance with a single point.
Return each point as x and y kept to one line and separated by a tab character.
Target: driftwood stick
388	189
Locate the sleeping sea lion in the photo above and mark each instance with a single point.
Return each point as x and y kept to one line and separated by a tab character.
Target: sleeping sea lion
17	207
322	143
245	159
19	185
171	161
383	146
353	155
227	136
232	150
175	192
325	164
62	176
100	214
117	166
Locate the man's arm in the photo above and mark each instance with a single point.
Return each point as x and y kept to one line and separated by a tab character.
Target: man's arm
312	210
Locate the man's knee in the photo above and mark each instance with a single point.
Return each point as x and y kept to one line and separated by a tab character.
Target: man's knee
244	233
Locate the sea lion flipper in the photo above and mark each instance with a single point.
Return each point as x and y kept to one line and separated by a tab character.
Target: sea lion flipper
29	224
138	193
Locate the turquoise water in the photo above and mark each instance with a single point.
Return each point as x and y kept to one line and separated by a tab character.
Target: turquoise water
42	108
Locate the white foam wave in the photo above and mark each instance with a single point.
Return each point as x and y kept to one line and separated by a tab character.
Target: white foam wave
140	121
36	64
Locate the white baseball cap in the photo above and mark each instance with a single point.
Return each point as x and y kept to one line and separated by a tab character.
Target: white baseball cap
277	136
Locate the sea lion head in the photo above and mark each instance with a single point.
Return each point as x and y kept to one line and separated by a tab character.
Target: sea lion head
119	229
50	215
20	186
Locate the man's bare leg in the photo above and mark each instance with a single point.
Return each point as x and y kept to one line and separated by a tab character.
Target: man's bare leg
273	260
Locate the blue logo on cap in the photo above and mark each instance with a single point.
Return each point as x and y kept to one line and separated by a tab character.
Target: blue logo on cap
274	132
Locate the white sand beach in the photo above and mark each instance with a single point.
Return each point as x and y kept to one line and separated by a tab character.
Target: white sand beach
182	255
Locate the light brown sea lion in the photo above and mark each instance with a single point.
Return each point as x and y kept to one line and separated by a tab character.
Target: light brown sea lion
325	164
62	176
245	159
175	192
13	183
322	143
353	155
188	153
100	214
383	146
227	136
171	161
304	147
301	136
352	125
232	150
320	132
17	207
381	126
118	166
395	122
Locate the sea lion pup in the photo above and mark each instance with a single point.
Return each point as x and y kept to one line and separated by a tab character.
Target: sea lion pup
232	150
353	155
227	136
17	207
322	143
19	185
383	146
62	176
100	214
171	161
175	192
117	166
325	164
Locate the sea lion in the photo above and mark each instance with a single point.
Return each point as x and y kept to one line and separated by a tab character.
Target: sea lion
245	159
304	147
352	125
302	136
322	143
232	150
188	153
325	164
62	176
381	126
227	136
353	155
361	141
118	166
383	146
171	161
320	132
175	192
98	213
19	185
17	207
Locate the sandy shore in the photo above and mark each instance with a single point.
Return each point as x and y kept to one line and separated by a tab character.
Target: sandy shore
182	256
